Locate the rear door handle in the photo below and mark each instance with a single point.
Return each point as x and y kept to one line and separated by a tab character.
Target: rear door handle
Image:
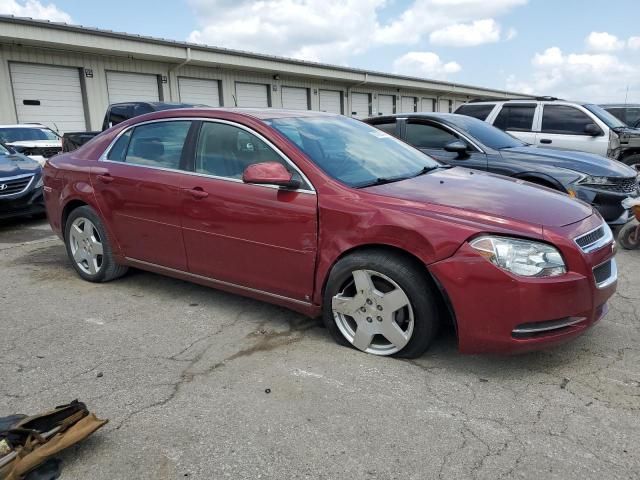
546	141
197	192
105	178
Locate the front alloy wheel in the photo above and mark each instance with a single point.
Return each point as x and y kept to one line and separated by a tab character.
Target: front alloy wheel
373	313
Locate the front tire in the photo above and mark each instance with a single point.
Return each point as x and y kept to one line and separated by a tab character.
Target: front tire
632	161
380	303
88	247
629	236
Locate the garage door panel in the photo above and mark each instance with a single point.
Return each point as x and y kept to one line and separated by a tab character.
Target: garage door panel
359	105
295	98
330	101
408	104
385	104
58	90
199	91
252	95
132	87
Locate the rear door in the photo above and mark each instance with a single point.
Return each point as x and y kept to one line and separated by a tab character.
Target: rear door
138	188
256	236
563	127
516	119
431	138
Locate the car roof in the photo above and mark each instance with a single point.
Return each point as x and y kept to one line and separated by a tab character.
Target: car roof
25	125
426	115
263	113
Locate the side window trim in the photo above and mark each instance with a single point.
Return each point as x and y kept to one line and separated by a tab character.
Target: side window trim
190	159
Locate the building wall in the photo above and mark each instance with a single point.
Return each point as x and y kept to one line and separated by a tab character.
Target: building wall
96	95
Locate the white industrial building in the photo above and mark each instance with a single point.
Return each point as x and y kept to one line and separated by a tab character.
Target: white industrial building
66	75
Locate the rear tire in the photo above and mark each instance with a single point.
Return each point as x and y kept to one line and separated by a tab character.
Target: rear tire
89	247
629	236
380	302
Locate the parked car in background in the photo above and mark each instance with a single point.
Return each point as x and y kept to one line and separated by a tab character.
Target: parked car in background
33	140
551	123
327	215
629	113
20	185
118	113
468	142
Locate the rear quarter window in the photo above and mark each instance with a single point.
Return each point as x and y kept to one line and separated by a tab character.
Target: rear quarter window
481	112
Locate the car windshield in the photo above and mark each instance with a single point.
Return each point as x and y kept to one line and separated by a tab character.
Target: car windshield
610	120
25	134
353	152
484	133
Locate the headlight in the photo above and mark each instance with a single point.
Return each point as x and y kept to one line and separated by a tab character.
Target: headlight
40	182
521	257
589	180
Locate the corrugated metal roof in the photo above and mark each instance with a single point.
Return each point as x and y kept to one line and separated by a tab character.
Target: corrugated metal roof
221	50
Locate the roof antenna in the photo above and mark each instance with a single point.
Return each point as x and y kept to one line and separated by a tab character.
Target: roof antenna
626	95
235	101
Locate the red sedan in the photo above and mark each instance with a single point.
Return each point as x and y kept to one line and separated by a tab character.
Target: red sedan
329	216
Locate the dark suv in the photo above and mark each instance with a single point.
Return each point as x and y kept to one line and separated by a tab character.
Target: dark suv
629	113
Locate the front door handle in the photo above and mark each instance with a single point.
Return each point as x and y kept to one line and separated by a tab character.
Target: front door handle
105	178
197	193
546	141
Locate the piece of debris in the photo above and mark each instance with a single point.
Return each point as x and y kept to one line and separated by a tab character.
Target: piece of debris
31	443
99	374
483	380
193	304
268	390
564	382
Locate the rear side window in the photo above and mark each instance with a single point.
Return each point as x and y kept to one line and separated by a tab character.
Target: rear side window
564	119
421	135
481	112
158	144
517	117
119	149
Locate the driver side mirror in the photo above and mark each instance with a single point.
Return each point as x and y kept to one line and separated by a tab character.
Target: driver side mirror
457	146
269	173
592	129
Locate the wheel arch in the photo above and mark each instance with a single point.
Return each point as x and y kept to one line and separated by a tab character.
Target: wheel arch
69	207
541	179
444	305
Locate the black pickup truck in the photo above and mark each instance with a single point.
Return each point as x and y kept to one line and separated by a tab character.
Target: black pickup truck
117	113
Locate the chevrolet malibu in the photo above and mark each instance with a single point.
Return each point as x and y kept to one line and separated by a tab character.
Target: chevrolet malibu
329	216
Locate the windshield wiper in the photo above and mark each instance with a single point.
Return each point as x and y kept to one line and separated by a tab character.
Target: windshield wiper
384	180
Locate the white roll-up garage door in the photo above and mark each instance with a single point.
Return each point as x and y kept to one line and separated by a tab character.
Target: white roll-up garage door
132	87
48	95
330	101
385	104
295	98
408	104
359	105
252	95
199	91
426	104
443	106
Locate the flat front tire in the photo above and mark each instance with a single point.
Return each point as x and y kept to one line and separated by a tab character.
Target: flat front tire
88	247
380	303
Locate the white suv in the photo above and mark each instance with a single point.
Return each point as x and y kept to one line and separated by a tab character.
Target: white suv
552	123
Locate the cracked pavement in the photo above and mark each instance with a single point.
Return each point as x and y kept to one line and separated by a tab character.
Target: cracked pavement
182	373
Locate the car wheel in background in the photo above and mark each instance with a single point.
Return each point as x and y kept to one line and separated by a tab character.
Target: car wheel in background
629	236
632	161
88	247
381	303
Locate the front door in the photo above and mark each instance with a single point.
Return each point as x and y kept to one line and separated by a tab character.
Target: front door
138	188
256	236
563	127
431	139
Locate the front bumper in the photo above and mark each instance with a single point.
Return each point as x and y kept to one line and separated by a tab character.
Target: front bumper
28	203
498	312
608	203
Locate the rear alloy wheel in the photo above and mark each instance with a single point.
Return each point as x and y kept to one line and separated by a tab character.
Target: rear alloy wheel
88	247
381	304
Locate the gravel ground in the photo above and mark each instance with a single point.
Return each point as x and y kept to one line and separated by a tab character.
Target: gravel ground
201	384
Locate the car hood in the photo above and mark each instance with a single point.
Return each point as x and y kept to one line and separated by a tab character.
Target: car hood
17	164
490	194
37	143
586	163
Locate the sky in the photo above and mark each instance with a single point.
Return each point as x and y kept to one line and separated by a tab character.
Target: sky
585	50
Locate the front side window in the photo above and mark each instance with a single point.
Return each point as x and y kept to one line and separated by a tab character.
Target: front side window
226	151
351	151
157	144
421	135
481	112
388	127
516	117
564	119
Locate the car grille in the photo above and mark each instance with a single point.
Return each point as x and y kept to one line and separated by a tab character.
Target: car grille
606	273
590	238
14	185
619	185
